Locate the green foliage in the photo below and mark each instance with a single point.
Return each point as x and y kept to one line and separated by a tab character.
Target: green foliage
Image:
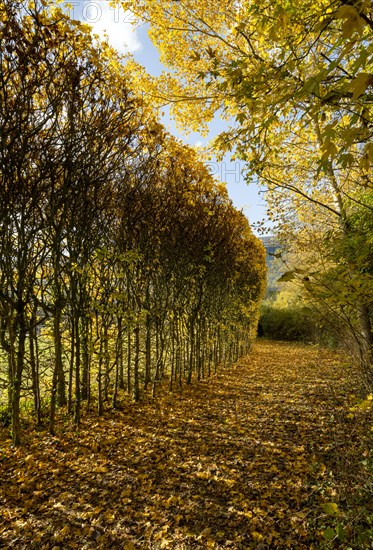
293	323
287	316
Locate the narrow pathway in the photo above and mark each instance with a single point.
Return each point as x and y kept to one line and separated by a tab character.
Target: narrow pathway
260	457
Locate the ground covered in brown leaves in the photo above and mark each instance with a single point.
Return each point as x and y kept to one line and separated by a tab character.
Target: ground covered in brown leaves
273	453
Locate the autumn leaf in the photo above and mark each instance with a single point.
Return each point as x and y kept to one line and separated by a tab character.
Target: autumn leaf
360	83
176	474
329	533
288	276
330	508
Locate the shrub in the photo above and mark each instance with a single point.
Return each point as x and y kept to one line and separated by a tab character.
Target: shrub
294	323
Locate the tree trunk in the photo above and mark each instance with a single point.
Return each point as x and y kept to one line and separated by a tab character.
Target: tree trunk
17	376
120	354
71	367
367	345
147	353
173	354
85	359
106	359
34	362
136	381
57	370
99	380
129	360
191	352
53	402
77	373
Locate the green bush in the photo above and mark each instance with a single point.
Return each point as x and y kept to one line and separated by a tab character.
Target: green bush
297	323
294	323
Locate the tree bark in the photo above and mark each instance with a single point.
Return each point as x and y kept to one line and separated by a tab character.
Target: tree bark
136	362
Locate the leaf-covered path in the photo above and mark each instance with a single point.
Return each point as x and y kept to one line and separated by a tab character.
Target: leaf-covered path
260	456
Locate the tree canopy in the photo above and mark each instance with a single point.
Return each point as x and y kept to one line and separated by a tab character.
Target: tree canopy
263	64
294	81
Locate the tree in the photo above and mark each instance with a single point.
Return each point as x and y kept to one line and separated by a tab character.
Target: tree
108	225
27	122
62	136
296	79
263	64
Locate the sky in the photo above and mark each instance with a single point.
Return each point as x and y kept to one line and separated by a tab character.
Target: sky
119	29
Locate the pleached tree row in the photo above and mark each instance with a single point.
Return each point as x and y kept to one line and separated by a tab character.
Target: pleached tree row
123	264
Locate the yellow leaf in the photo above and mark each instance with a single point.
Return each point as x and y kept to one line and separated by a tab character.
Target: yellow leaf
330	149
63	533
364	163
171	500
346	12
256	535
360	83
109	516
352	20
365	405
30	461
330	508
203	475
101	469
230	482
272	33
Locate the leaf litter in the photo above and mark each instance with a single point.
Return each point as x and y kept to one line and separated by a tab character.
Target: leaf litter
266	454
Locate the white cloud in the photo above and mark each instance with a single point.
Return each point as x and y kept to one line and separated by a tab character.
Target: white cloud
108	20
